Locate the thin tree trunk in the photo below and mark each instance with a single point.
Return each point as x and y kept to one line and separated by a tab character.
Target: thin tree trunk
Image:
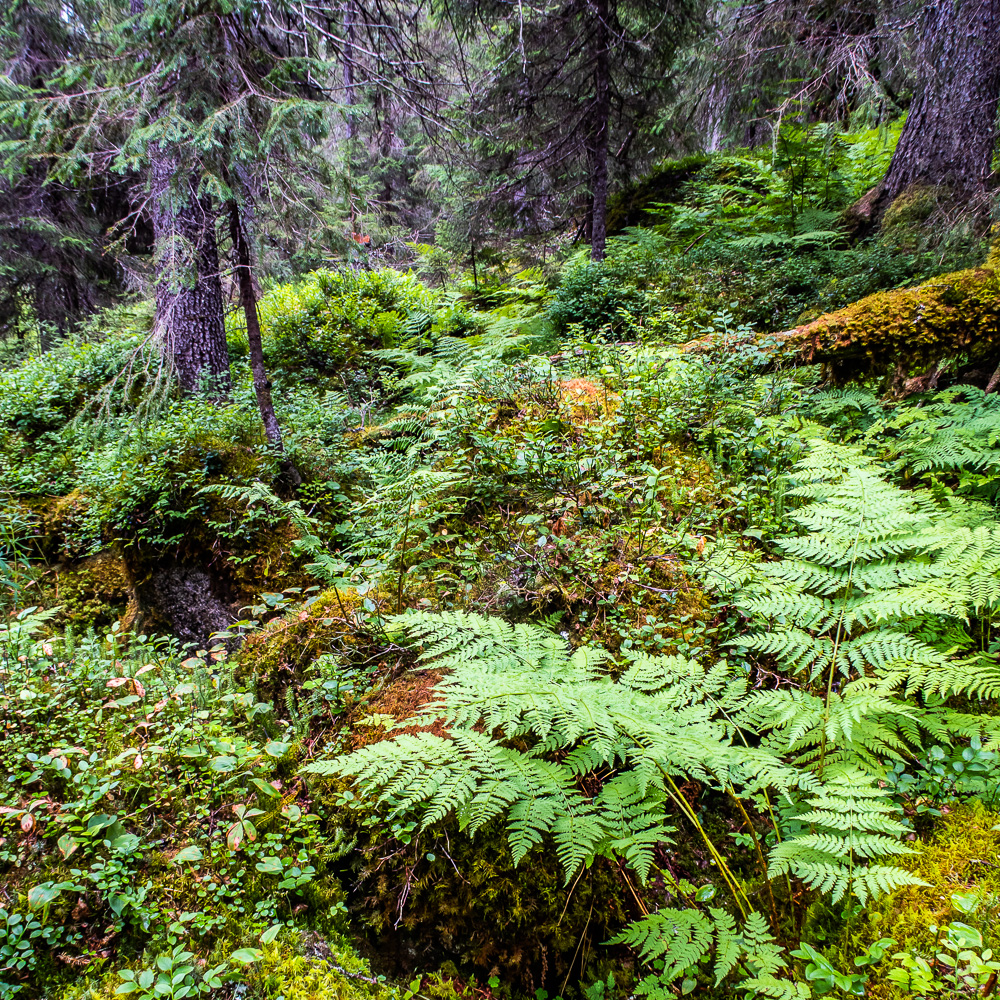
349	66
248	300
599	134
949	136
189	308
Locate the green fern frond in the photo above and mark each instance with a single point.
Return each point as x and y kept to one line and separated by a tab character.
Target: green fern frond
849	822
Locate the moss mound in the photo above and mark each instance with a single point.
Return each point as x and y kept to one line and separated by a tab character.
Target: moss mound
662	183
908	330
445	897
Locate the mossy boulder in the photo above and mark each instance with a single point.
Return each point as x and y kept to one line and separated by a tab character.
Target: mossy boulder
96	591
912	207
280	655
662	184
443	896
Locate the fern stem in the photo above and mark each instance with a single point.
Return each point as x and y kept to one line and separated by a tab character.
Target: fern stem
402	554
840	631
738	894
760	853
638	902
583	934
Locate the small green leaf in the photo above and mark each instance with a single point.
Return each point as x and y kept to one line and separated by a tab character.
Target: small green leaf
270	934
265	787
99	822
276	748
42	895
192	853
67	845
247	955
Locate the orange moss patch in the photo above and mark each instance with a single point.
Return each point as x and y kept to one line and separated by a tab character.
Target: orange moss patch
403	698
587	401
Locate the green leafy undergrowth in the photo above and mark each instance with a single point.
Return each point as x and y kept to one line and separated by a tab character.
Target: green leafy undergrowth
144	791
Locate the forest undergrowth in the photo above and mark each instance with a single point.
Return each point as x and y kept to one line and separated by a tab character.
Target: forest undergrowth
582	663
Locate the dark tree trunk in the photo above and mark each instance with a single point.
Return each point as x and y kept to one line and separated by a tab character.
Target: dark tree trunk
600	121
189	308
242	265
383	113
949	136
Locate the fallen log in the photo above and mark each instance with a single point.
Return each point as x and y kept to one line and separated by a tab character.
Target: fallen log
908	335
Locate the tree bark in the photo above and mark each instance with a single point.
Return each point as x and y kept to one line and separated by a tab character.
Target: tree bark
349	67
600	122
189	308
242	261
949	136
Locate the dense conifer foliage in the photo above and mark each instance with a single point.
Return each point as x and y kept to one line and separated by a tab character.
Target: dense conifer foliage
499	500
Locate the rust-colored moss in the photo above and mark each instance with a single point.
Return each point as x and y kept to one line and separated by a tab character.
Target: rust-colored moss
587	402
911	328
402	698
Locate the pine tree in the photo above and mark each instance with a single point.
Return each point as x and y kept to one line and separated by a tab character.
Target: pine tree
207	105
54	268
569	87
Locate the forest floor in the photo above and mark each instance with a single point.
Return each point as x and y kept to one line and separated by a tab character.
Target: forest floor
696	637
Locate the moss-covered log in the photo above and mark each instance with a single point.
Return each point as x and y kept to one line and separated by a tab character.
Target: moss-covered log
909	332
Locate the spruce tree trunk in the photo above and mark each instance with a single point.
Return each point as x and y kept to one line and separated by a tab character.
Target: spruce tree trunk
242	261
189	307
349	67
600	122
949	136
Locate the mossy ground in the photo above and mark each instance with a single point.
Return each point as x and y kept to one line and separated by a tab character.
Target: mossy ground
586	487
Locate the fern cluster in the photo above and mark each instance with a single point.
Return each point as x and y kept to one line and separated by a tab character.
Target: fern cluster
838	611
548	739
677	940
957	432
848	822
527	718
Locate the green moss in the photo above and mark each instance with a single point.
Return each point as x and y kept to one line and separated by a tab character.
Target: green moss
663	183
954	315
315	969
445	897
280	655
912	207
95	591
960	856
